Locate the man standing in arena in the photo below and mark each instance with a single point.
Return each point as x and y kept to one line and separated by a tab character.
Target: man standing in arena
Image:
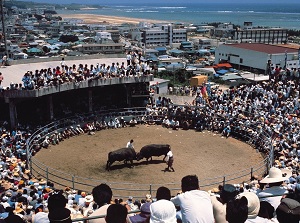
130	144
170	161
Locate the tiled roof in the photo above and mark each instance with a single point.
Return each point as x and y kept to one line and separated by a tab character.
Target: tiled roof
265	48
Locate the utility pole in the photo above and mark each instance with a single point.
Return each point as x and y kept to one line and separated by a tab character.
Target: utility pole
3	27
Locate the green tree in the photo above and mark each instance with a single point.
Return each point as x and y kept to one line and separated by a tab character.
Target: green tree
68	38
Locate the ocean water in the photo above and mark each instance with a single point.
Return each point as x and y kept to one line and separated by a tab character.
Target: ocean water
270	15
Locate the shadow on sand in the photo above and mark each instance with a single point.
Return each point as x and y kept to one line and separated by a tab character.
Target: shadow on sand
119	165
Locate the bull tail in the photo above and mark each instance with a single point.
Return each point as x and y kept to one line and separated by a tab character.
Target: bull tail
108	164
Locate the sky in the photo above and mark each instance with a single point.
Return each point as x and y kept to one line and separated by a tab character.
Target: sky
132	2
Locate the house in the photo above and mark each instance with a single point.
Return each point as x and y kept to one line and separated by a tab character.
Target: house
256	55
186	46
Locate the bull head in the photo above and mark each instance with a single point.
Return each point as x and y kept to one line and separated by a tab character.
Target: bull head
139	156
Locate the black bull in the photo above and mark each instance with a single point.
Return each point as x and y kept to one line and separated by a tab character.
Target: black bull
153	150
123	154
126	154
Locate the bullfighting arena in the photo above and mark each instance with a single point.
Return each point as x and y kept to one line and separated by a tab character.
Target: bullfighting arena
205	154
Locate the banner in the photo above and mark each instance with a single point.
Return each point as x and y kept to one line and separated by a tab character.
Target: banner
299	57
285	60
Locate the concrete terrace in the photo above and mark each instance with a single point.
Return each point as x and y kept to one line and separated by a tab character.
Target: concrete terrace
15	72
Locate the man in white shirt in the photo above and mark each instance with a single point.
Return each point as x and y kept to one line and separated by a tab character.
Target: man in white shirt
275	190
130	144
170	161
195	204
102	195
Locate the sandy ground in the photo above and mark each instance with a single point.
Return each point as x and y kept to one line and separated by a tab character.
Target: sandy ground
100	19
204	154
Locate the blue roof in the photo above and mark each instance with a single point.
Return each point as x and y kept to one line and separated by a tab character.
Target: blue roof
231	77
161	49
221	72
176	51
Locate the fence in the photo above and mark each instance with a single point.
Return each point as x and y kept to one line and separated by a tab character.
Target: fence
137	190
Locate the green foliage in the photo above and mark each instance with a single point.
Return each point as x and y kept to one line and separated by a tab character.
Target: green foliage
293	32
46	49
68	38
177	78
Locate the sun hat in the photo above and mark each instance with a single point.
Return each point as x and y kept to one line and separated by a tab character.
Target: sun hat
145	213
89	198
43	181
276	175
253	203
162	211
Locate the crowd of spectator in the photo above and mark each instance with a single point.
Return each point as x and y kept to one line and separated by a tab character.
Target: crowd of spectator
262	114
136	66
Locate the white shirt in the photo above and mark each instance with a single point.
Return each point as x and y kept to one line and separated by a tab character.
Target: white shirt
274	201
101	211
169	154
195	206
41	217
129	145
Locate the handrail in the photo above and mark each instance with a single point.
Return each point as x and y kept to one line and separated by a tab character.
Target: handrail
75	181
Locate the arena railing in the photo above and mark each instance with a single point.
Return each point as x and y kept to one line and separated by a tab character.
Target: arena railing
63	179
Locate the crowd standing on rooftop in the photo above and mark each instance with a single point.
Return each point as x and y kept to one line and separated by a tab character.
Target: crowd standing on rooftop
64	72
261	114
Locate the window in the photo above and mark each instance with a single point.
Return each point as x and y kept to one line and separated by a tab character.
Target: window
241	60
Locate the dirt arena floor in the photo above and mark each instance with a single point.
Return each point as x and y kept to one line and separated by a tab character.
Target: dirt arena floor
202	153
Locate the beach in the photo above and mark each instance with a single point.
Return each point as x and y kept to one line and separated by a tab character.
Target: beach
104	19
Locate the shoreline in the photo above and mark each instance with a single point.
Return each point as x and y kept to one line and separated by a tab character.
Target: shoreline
100	19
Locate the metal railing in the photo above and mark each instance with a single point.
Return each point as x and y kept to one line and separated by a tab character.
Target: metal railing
136	190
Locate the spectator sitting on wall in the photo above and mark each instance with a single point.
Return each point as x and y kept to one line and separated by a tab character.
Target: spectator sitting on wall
132	122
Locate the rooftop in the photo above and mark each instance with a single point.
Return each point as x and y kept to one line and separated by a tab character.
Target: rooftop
264	48
15	73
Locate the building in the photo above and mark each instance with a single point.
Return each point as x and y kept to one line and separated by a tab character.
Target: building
224	30
111	48
255	55
264	35
103	36
163	35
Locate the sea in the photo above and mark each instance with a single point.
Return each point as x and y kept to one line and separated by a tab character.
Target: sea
263	14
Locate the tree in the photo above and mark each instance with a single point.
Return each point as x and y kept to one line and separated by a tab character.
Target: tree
68	38
46	49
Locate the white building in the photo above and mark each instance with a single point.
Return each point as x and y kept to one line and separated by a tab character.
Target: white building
256	55
163	35
100	36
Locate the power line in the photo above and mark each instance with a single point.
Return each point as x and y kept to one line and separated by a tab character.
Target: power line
3	26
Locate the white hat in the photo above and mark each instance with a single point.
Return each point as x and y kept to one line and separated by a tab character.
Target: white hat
253	203
276	175
162	211
89	198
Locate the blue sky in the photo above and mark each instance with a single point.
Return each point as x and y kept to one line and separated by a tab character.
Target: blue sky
132	2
